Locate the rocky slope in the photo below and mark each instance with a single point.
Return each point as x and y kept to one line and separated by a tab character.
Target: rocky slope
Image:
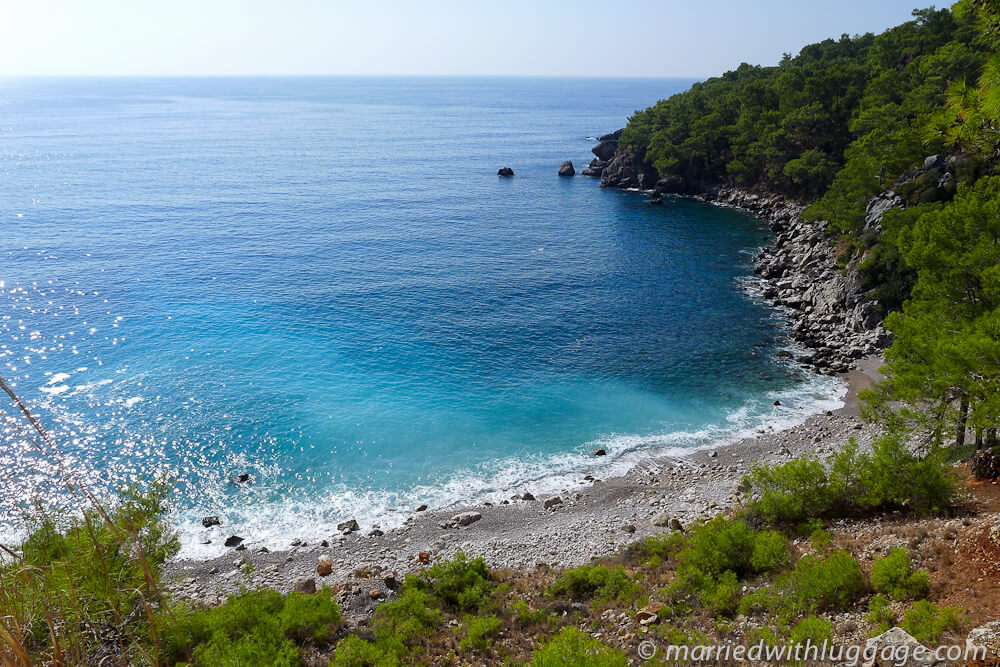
827	310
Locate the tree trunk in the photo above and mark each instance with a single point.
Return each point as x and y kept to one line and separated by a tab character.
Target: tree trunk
979	438
963	421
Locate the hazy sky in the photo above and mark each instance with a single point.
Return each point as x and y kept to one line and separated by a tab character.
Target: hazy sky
517	37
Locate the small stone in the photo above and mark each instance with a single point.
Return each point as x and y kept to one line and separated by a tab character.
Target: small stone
422	508
424	557
675	524
648	614
374	594
210	521
661	520
391	582
713	455
628	528
376	533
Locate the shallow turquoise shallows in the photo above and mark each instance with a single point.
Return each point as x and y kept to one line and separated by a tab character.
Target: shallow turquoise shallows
322	282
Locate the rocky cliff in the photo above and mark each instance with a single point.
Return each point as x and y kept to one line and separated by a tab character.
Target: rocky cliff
826	307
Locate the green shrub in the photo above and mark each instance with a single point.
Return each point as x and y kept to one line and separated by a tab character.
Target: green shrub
479	632
527	617
596	582
572	648
790	492
927	622
254	623
894	576
408	619
724	596
812	629
460	584
355	652
890	477
724	544
652	551
880	614
817	583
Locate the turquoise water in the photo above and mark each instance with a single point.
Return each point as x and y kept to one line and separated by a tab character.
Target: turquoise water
322	282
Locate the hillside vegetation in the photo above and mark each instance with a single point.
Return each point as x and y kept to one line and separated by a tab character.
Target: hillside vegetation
911	115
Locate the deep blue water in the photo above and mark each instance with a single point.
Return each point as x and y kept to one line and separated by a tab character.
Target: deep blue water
323	282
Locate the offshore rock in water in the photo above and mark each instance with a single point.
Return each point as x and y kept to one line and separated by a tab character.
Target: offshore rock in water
506	172
234	541
566	169
210	521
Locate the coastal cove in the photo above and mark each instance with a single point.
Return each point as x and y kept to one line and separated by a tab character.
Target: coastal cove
311	314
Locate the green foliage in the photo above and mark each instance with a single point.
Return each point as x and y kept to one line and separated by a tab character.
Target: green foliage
817	583
880	614
527	617
890	477
407	619
927	622
572	648
479	632
653	550
356	652
893	575
262	627
811	629
461	584
595	582
842	119
88	573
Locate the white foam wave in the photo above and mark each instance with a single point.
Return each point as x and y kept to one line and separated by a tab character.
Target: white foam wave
275	523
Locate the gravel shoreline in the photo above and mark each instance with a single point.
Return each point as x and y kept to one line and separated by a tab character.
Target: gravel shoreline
585	524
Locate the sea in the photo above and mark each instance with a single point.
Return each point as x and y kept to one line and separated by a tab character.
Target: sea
322	284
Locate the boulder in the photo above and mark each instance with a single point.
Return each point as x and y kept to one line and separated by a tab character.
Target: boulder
552	502
466	518
421	508
324	567
566	169
648	614
890	647
675	524
661	520
234	541
242	478
600	452
505	172
605	149
348	526
306	585
527	496
210	521
983	643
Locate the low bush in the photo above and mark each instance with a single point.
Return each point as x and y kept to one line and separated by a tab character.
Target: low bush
479	632
891	477
595	582
88	581
817	583
573	648
656	549
407	619
263	625
812	629
893	575
927	622
461	584
356	652
880	615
